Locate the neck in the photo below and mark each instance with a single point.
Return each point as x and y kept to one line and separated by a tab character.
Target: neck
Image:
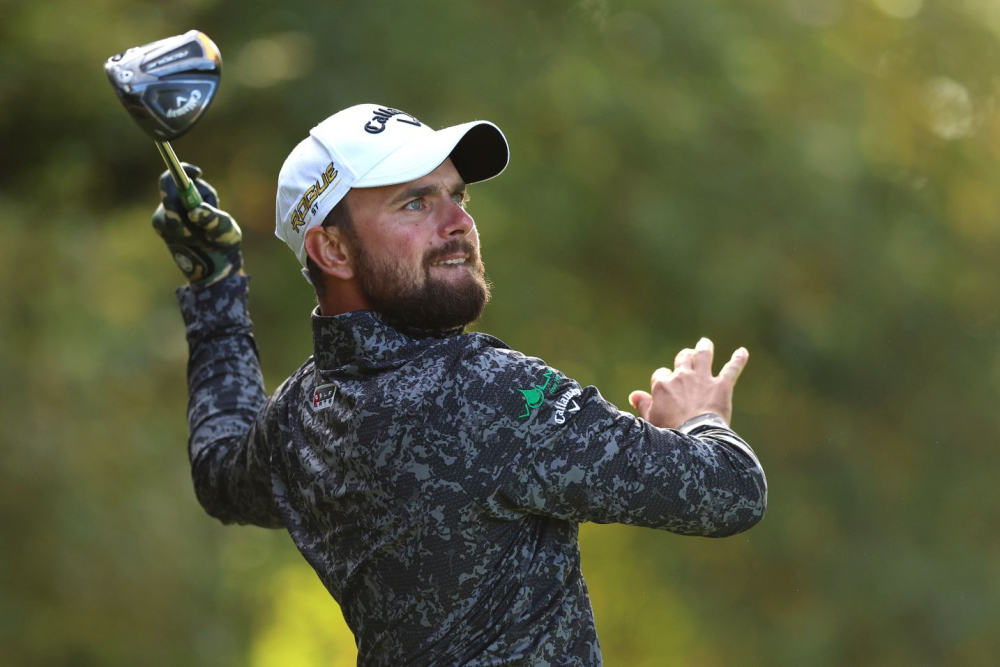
341	297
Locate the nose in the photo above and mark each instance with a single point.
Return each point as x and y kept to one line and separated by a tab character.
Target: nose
457	221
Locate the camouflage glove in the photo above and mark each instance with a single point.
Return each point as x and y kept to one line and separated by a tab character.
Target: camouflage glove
205	242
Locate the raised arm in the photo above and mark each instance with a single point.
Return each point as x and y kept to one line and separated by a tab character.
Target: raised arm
230	458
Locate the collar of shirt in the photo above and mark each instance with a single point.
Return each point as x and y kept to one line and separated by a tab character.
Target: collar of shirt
361	340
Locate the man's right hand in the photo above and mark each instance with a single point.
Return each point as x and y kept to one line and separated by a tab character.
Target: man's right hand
690	390
205	241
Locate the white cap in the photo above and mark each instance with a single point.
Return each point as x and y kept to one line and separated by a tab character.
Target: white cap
367	146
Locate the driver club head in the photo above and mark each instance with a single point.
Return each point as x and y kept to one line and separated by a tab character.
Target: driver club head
167	85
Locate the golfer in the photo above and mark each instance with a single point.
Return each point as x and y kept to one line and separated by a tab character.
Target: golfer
434	479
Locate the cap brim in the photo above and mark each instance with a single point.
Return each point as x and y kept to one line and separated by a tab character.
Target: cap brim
478	150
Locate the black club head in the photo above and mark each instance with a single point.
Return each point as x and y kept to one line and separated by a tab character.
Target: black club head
167	85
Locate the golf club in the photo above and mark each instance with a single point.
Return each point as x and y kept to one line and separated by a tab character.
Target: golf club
167	86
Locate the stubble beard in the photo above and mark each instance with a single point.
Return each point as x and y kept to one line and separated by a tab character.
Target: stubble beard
435	305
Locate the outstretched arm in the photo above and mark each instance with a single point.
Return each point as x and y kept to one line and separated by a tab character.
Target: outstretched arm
555	448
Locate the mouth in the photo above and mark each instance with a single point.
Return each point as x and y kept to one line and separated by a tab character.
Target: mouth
450	261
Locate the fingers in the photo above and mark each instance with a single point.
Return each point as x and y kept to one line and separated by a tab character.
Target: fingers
213	227
169	199
731	371
660	375
168	189
166	178
192	170
219	226
209	218
701	360
640	400
168	224
205	189
207	192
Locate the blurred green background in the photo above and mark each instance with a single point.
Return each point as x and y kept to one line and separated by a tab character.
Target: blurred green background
814	179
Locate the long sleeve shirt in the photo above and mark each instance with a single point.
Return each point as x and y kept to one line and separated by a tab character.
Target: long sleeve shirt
436	483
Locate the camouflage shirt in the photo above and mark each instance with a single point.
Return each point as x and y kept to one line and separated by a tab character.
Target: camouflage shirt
435	483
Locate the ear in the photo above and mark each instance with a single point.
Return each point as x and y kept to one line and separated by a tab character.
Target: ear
327	248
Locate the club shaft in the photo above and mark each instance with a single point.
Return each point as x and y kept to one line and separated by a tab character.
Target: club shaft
188	192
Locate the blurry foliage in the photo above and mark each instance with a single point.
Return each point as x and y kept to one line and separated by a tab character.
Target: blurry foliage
814	179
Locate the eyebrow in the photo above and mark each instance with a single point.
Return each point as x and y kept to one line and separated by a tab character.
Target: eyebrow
416	193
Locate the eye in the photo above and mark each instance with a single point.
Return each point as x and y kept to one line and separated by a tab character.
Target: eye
461	198
412	205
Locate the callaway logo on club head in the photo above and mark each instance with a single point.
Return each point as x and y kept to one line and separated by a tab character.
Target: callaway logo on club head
185	105
382	116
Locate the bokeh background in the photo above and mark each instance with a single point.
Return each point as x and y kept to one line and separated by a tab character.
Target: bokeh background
814	179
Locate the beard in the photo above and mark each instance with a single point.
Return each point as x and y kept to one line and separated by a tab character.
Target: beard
436	305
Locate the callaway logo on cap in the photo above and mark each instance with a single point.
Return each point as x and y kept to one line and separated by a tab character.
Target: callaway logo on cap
368	146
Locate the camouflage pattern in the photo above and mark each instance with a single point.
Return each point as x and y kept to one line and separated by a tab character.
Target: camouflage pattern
435	483
205	241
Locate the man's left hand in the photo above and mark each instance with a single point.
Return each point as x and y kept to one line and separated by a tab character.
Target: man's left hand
205	241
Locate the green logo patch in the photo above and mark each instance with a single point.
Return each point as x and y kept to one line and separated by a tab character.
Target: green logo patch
535	396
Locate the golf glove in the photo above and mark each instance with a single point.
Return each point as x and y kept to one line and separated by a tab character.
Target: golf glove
205	241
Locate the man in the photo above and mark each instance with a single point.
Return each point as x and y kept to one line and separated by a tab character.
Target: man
433	479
